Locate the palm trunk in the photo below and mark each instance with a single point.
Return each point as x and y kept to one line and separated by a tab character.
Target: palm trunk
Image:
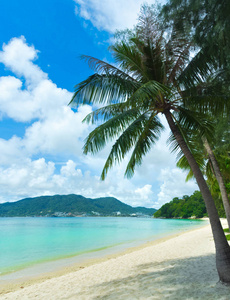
219	179
221	244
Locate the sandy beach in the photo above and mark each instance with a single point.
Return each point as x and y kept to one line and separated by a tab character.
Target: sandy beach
179	267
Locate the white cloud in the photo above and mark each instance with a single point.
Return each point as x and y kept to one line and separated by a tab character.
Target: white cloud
18	57
173	185
28	179
40	98
30	164
58	133
145	193
38	177
11	152
110	15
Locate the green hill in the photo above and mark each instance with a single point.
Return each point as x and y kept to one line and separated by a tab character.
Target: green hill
188	206
70	205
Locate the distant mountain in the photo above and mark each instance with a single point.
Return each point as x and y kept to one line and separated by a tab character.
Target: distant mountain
70	205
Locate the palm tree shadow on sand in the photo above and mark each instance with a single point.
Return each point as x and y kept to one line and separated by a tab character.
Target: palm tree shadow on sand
190	278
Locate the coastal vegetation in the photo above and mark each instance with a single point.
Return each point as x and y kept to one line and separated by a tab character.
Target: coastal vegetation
214	161
153	75
187	207
71	206
226	230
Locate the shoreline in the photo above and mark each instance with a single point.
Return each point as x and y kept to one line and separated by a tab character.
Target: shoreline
60	265
27	276
165	245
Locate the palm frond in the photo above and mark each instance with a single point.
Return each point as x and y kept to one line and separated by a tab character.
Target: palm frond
210	171
125	142
183	164
195	121
106	88
152	58
129	59
215	105
147	138
207	97
106	112
102	67
197	70
147	94
109	130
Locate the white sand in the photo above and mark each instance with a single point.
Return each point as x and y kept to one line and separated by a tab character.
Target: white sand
182	267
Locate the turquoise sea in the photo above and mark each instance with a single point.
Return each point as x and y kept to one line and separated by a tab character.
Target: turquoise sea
30	241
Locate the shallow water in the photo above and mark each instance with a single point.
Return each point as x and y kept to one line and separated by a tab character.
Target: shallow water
29	241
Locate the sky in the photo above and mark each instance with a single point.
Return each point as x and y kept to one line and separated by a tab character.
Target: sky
41	137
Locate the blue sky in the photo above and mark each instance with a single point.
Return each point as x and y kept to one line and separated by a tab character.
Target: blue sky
41	138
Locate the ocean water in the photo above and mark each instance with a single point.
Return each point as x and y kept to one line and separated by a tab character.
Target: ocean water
30	241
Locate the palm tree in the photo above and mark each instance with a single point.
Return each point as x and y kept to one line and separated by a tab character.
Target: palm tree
142	86
207	22
209	165
220	180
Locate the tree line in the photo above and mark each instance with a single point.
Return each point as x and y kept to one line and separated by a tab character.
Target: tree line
186	207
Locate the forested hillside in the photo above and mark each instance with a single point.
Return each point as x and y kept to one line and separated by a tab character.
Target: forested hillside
70	205
186	207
